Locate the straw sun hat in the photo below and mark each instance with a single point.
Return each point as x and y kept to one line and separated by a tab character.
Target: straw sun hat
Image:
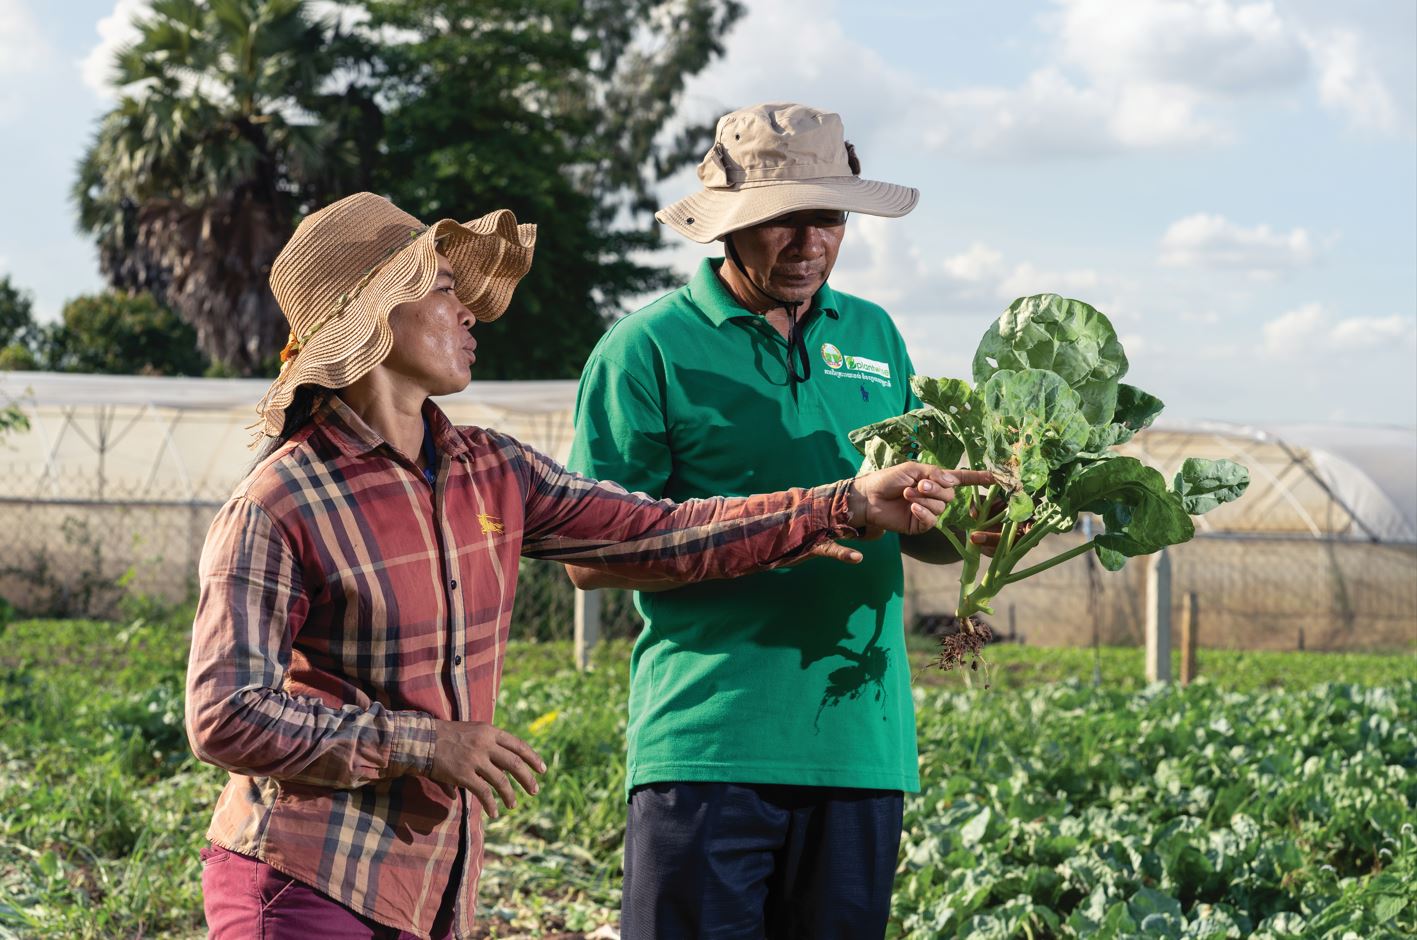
349	264
772	159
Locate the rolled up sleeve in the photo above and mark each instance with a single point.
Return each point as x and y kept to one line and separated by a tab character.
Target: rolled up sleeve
574	519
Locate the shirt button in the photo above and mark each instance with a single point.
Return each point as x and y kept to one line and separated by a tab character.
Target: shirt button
457	660
453	584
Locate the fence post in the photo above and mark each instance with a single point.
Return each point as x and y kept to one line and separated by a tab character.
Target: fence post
1190	627
1158	618
587	626
910	608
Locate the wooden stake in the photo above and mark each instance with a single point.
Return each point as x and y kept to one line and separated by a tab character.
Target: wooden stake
1158	618
1190	627
587	626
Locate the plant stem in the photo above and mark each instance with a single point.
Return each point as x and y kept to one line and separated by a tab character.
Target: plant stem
1044	566
1041	530
1002	553
954	541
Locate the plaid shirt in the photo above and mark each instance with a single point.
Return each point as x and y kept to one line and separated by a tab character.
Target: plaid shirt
345	604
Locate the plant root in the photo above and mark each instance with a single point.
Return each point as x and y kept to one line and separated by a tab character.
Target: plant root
965	645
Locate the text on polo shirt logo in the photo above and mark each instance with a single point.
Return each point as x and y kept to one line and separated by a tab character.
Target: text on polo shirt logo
869	366
489	523
839	364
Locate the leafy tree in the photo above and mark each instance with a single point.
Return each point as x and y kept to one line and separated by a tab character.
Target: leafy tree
241	115
230	126
561	111
17	325
17	357
122	334
17	331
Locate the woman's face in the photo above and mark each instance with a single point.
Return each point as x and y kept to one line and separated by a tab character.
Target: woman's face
433	344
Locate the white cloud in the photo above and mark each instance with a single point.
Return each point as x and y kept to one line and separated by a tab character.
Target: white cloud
1203	240
22	46
1310	331
882	262
872	95
1118	77
1367	333
1224	47
1205	317
115	31
1349	82
23	53
1140	75
1048	116
1291	333
976	263
1051	116
1026	278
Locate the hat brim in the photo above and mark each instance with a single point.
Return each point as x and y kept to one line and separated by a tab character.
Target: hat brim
488	255
710	214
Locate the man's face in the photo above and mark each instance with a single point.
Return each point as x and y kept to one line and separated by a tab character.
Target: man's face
433	344
791	256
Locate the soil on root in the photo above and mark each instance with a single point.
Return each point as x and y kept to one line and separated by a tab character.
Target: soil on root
965	646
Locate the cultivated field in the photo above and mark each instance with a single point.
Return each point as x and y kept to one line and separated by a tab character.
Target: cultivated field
1275	798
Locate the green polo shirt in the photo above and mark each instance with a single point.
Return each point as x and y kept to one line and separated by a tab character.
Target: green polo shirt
795	676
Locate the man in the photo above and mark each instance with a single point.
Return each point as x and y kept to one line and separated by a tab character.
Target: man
771	727
356	591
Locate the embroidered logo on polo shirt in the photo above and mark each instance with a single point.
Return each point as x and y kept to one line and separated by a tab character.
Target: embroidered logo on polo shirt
841	365
489	523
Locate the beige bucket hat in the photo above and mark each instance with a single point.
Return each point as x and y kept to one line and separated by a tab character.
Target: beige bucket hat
772	159
351	263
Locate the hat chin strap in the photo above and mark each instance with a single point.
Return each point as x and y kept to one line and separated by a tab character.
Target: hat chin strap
796	345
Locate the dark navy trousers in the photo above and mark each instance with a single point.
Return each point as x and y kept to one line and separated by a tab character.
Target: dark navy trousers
713	861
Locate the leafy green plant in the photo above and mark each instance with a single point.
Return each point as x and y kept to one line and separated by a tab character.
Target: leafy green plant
1273	795
1046	410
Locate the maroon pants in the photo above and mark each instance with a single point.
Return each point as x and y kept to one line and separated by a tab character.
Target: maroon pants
246	899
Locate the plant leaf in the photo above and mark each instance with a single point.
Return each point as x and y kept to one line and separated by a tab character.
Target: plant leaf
1140	515
1032	422
1204	484
916	435
1134	412
1020	507
1069	337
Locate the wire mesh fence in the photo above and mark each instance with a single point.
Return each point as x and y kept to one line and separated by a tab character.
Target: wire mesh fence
1252	593
109	492
81	557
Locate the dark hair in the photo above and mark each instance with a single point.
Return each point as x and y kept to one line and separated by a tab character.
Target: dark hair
852	160
298	413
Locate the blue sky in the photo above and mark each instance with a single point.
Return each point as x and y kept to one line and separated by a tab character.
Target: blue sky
1234	183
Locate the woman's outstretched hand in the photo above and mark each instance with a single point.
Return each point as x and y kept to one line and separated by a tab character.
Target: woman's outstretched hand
906	498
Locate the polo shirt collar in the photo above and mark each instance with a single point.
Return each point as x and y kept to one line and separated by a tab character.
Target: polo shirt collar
709	295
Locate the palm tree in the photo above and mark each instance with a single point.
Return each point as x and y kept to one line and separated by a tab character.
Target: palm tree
232	122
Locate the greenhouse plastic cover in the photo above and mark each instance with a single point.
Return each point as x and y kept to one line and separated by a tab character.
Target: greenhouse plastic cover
185	439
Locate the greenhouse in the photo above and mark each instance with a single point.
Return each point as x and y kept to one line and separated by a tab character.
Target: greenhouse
113	484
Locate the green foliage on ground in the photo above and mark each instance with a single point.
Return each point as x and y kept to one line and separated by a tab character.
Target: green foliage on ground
1276	795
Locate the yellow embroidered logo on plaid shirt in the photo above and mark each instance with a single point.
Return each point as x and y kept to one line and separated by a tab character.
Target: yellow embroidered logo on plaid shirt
489	523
